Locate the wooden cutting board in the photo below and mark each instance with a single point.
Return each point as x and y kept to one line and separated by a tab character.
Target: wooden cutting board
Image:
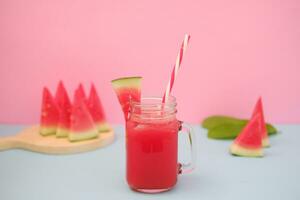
30	139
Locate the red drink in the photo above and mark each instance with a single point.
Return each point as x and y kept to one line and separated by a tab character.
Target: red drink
152	145
152	154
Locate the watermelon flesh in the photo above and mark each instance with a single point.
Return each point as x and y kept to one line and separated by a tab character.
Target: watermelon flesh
127	89
259	110
64	105
249	142
82	124
49	115
96	110
80	93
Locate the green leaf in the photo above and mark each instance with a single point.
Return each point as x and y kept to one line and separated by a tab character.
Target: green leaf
225	127
225	131
217	120
271	129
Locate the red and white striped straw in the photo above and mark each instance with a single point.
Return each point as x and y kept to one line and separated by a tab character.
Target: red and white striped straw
176	67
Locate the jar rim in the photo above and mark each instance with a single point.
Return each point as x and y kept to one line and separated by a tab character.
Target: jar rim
150	101
152	108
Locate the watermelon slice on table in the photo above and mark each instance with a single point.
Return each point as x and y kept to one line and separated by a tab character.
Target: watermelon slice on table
127	88
248	143
50	114
82	124
96	110
64	105
259	110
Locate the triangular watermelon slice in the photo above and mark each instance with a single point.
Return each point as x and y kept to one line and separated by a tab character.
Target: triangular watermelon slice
49	115
248	142
80	93
96	110
64	104
259	110
82	124
127	88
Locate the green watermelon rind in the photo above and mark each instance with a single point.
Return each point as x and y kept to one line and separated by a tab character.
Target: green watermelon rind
238	150
47	130
62	132
103	127
86	135
128	82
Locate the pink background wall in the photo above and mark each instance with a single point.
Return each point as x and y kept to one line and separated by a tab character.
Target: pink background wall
238	51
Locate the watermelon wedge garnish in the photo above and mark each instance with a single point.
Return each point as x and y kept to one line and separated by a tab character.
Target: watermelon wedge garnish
96	110
82	124
64	105
50	114
127	88
259	110
248	143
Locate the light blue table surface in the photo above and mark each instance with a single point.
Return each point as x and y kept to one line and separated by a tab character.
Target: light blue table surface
100	174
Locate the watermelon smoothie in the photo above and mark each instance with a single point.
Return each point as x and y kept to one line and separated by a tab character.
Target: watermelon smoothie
152	145
152	154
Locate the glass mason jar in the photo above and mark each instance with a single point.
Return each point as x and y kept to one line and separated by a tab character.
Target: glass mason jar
152	145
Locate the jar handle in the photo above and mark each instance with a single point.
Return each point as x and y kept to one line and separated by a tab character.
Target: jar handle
184	168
